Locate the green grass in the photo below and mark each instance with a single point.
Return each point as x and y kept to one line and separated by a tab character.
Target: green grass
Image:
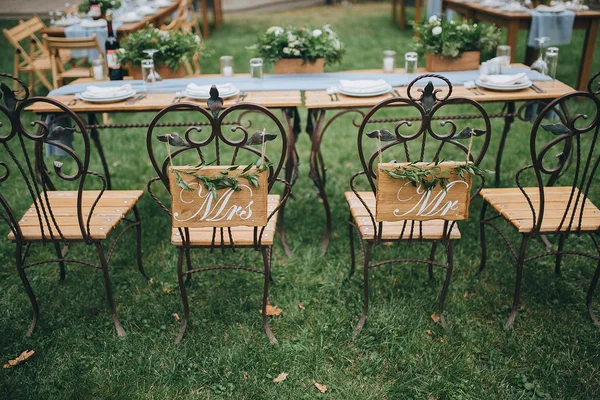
553	352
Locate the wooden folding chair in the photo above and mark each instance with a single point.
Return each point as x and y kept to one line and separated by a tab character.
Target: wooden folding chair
60	72
565	152
215	203
398	209
36	59
62	211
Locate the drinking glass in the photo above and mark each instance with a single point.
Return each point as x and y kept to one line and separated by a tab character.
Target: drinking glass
155	76
504	52
552	62
389	61
411	60
98	71
52	20
539	64
227	66
148	75
256	68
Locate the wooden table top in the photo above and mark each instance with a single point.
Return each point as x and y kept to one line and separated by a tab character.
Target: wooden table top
513	15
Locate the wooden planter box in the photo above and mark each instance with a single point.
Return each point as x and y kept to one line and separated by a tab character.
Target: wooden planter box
467	61
298	66
398	200
198	208
164	72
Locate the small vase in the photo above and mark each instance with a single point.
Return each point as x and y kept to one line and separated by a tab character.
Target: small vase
468	60
298	66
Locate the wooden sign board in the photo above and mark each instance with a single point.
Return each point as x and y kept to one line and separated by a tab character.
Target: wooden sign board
199	208
399	200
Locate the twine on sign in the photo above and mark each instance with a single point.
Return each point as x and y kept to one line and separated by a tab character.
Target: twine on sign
263	147
379	147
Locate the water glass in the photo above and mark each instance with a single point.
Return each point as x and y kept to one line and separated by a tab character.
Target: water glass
389	61
504	52
256	68
552	62
411	59
98	70
227	66
148	75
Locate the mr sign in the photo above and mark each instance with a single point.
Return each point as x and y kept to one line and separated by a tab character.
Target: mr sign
400	199
240	200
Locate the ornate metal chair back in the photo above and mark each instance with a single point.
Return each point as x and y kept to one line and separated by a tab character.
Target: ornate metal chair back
22	159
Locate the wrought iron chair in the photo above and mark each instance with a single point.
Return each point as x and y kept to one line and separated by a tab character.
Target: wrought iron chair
547	208
377	215
57	217
206	150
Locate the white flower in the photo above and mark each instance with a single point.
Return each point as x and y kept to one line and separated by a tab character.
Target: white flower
286	50
296	52
197	39
433	18
336	44
294	43
291	37
317	32
436	30
121	51
163	34
328	30
464	26
452	22
277	30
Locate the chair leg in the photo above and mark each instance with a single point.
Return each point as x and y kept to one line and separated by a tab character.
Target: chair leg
270	264
590	295
482	237
352	254
109	294
182	292
517	297
139	242
450	260
363	317
265	317
559	255
188	261
61	264
32	299
431	258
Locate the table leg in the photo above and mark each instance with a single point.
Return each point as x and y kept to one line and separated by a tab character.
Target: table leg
204	5
291	169
512	38
509	108
402	15
417	12
96	139
217	13
589	44
394	13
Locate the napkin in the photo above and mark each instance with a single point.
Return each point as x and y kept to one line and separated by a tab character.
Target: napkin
555	8
146	10
131	16
363	86
102	92
90	23
204	91
504	80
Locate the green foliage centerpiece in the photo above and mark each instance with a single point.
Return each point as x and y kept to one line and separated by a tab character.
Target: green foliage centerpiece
84	6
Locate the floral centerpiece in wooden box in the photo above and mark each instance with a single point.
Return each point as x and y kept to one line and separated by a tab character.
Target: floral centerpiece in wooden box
84	6
451	45
296	50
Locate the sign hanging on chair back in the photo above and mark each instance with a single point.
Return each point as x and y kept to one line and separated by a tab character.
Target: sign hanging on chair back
422	191
218	196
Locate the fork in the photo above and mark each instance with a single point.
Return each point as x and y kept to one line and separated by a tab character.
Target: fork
330	93
241	97
473	88
75	99
537	88
178	97
136	98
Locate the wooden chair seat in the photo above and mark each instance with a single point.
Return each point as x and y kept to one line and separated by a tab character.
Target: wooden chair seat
109	211
76	72
512	204
429	230
242	235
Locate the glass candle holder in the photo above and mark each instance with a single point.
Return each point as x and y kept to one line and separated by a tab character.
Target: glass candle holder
98	70
552	62
227	66
504	52
411	60
389	61
256	68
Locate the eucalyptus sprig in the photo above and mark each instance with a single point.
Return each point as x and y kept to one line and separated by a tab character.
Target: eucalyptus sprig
426	176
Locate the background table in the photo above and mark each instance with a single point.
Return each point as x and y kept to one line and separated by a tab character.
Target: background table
516	21
399	14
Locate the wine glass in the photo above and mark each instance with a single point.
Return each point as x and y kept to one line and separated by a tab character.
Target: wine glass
540	65
154	76
52	20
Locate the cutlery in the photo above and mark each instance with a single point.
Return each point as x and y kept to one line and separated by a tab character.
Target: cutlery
333	90
473	88
397	93
537	88
330	93
74	101
136	98
241	97
178	97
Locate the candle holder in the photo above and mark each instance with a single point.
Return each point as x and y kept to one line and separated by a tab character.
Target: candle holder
389	61
227	66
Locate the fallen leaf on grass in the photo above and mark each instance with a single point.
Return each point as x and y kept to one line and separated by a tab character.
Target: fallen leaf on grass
151	281
336	235
322	388
176	317
24	356
167	290
429	332
281	377
272	311
301	305
435	318
468	295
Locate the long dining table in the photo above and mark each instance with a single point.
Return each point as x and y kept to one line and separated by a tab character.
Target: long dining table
323	111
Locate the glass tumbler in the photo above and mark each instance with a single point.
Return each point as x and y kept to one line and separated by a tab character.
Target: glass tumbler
148	75
552	62
504	52
256	68
98	71
389	61
411	59
227	66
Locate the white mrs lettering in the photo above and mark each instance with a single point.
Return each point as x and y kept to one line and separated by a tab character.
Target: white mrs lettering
211	210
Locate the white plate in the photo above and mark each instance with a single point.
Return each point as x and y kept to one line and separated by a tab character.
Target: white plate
67	22
161	4
130	18
223	96
503	88
366	94
107	99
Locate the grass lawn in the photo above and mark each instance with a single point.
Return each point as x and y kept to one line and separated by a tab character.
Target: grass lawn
553	352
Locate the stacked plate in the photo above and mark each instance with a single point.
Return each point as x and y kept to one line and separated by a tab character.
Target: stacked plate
161	3
131	16
146	10
97	94
364	88
504	83
197	92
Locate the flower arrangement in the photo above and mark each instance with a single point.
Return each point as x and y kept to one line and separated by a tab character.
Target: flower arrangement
84	6
173	47
449	38
299	42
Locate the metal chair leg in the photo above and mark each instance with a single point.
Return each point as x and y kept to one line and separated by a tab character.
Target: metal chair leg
32	299
109	294
450	260
559	255
517	297
363	317
61	264
182	292
267	272
139	242
188	260
590	295
352	254
431	258
482	237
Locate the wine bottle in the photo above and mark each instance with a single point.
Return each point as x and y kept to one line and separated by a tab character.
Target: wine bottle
115	72
95	10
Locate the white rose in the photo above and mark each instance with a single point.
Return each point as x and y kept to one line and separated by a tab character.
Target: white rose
336	44
317	32
275	29
291	37
436	30
296	52
433	18
328	29
121	51
286	50
197	39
